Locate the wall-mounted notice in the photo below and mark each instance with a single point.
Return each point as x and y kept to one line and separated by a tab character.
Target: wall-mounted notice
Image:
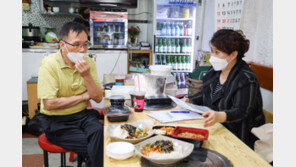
228	14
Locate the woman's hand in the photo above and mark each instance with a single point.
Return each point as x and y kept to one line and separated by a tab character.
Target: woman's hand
185	100
213	116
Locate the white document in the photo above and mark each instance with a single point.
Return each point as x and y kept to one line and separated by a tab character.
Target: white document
167	116
189	106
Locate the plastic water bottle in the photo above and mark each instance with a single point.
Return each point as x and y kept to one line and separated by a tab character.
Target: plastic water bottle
173	29
177	29
181	29
164	29
168	33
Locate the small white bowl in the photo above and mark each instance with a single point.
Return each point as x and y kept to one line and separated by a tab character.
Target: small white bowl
120	150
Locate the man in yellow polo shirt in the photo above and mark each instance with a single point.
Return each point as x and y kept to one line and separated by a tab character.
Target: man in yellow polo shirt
67	80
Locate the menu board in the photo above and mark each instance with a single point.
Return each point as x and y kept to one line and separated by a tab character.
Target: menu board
228	14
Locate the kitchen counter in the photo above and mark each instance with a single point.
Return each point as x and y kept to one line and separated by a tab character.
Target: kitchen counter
39	50
53	50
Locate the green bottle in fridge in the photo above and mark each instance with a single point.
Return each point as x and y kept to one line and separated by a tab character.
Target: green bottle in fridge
178	47
160	46
165	48
156	49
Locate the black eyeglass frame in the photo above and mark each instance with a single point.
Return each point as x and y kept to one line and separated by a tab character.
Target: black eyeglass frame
78	46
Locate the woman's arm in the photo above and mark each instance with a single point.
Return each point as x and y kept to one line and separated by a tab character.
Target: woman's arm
244	100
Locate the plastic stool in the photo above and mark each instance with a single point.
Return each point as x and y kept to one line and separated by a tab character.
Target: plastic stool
47	146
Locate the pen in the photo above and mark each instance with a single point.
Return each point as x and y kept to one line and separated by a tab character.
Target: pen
180	111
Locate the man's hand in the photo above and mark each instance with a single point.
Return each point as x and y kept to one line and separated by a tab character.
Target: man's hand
82	67
85	96
212	117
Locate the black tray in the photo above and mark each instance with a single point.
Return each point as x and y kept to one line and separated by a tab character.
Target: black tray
154	107
200	157
118	118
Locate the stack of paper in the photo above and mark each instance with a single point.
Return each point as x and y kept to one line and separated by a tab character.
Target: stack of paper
189	106
167	116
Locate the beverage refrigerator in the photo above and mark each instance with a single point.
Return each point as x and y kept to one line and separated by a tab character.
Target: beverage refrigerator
108	29
174	36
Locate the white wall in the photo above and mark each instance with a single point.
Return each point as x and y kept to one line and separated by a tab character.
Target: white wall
258	28
141	13
209	24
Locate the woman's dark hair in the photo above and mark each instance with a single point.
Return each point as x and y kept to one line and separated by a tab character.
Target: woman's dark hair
71	26
228	41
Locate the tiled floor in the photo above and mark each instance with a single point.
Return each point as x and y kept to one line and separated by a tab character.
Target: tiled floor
32	154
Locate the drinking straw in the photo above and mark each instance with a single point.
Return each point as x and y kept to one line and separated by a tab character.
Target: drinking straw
118	71
139	83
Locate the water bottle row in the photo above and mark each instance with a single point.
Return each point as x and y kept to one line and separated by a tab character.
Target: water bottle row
174	29
171	45
181	1
178	62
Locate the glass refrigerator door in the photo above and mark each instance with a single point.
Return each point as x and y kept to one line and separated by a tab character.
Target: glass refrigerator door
174	34
108	30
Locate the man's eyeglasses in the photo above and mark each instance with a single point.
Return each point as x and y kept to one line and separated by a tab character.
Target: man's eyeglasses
84	46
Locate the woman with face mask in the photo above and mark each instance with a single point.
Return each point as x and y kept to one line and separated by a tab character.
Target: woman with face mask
230	88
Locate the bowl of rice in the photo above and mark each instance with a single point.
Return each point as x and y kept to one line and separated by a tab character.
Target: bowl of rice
163	150
130	132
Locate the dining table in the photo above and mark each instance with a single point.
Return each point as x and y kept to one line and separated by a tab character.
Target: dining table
220	140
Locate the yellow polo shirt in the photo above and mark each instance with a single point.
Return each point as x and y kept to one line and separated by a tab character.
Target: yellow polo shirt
56	79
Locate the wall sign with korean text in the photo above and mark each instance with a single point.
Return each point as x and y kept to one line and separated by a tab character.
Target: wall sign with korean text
228	14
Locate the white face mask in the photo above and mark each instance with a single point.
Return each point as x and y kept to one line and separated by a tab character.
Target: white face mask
73	56
218	63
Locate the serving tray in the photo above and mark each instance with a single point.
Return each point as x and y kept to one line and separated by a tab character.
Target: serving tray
155	107
200	157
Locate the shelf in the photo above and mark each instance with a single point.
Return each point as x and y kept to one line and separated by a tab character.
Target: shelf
181	70
140	51
59	14
173	36
178	19
177	4
173	54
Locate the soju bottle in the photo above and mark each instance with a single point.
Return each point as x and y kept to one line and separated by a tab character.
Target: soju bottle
179	65
173	46
165	49
189	45
176	62
178	47
188	65
160	47
168	60
163	60
183	63
158	59
173	62
169	46
156	46
183	46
